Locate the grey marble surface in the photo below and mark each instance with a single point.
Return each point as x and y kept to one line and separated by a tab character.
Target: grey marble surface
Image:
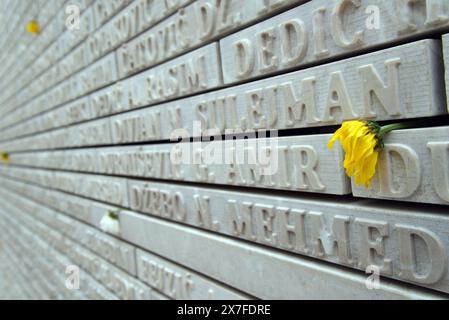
10	284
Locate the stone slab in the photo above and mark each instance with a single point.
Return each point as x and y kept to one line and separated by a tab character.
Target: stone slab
405	242
102	188
85	134
192	73
178	282
401	82
190	27
137	16
55	264
284	276
173	280
413	166
446	64
320	30
321	228
193	284
301	163
125	286
105	9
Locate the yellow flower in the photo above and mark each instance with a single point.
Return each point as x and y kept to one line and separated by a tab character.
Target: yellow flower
33	27
4	157
361	141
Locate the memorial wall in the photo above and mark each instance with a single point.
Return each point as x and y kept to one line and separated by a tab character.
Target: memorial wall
179	149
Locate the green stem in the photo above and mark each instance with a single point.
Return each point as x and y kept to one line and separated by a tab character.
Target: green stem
113	215
394	126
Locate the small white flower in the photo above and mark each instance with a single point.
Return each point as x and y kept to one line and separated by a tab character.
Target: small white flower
110	223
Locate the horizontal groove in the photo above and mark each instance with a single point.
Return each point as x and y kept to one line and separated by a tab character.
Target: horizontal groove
287	194
427	122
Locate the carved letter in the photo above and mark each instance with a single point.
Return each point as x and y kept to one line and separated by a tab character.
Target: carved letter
435	253
293	32
372	85
264	215
207	20
338	98
434	14
337	26
410	178
267	59
440	165
319	33
294	230
241	218
369	246
340	230
294	105
204	215
306	169
243	58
